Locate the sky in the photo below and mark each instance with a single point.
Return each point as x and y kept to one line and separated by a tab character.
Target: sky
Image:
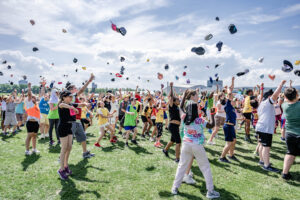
163	31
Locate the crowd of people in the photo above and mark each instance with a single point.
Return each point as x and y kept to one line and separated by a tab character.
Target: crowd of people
70	112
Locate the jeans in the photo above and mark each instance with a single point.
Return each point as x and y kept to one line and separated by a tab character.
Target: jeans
52	123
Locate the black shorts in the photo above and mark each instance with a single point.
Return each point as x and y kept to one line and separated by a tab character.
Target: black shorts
247	115
138	109
85	121
153	122
293	144
32	127
265	139
144	119
229	133
64	129
3	116
175	135
121	119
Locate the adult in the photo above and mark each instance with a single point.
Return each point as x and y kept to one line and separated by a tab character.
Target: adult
53	116
174	124
77	128
266	125
291	110
247	112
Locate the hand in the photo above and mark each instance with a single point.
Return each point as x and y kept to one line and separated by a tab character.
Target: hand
92	77
262	85
137	87
233	78
171	84
283	82
29	85
75	110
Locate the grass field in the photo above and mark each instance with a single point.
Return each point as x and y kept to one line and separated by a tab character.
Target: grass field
137	172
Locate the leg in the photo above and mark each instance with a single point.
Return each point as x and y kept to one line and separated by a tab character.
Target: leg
145	128
56	121
288	161
134	134
34	135
231	151
27	141
177	150
127	135
102	132
46	129
266	156
169	145
68	151
226	149
216	129
189	166
63	150
51	125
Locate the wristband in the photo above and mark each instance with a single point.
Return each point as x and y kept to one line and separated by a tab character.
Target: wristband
262	88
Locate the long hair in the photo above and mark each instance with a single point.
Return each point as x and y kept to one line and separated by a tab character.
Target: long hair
191	109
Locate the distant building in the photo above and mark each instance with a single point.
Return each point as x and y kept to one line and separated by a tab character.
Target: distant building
23	82
94	87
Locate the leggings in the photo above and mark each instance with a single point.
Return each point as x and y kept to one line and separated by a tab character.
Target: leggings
159	129
53	122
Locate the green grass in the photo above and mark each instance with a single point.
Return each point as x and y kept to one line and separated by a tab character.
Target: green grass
138	172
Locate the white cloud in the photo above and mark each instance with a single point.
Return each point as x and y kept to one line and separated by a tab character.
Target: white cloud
293	9
286	43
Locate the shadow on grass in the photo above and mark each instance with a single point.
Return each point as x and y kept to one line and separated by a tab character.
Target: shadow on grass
139	150
69	191
168	194
29	160
150	169
112	147
5	137
54	149
43	141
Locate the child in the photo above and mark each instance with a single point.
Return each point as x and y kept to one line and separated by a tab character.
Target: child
130	121
103	116
159	122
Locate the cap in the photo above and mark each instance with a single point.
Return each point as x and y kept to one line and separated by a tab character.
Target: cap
65	93
217	65
148	60
176	77
4	62
32	22
287	66
1	73
8	67
232	28
75	60
160	76
208	37
262	76
35	49
198	50
122	59
261	59
297	72
185	67
64	30
184	74
188	81
123	31
166	67
217	19
219	45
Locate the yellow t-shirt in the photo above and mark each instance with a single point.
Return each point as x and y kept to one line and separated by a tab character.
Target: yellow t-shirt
148	113
104	112
83	112
247	106
160	116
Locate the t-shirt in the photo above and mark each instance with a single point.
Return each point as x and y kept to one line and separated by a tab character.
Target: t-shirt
103	111
160	116
138	97
278	110
3	105
53	114
83	112
147	111
30	104
66	115
194	132
107	105
255	117
44	106
221	114
130	120
292	115
174	113
210	103
76	100
266	117
10	107
114	107
230	113
20	108
247	106
123	105
153	113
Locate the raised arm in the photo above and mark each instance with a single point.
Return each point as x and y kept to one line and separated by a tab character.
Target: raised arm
278	90
230	90
171	95
29	96
120	93
86	84
261	93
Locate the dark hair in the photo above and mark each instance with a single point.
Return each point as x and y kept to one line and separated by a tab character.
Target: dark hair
254	103
290	93
267	94
248	91
191	109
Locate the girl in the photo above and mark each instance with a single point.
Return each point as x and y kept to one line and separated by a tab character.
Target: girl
193	140
67	114
103	116
53	116
130	121
159	122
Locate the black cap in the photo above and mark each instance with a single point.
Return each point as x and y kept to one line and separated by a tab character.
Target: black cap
217	19
297	72
287	66
1	73
122	59
75	60
65	93
198	50
232	29
123	31
112	79
8	67
35	49
219	45
166	67
4	62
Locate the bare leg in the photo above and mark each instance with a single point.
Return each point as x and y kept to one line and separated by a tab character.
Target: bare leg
27	141
177	150
231	151
266	156
226	149
216	129
102	132
288	161
63	150
68	151
34	135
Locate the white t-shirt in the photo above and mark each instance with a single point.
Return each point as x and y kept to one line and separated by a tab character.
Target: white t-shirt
114	107
221	114
3	105
266	117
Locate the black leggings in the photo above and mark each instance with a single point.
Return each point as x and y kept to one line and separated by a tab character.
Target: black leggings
159	129
53	122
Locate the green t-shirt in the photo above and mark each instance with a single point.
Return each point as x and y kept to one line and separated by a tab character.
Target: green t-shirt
210	103
53	114
292	115
130	120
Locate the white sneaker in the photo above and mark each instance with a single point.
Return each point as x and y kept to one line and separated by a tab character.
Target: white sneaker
188	180
152	139
211	143
174	191
191	174
42	136
27	153
35	151
212	194
46	135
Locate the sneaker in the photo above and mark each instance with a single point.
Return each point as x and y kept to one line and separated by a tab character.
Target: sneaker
62	175
191	174
151	139
68	172
5	133
88	154
134	141
115	138
165	152
255	153
126	144
47	135
261	163
35	151
271	169
167	128
51	143
188	180
211	143
42	136
174	191
147	133
282	139
27	153
212	194
120	132
224	160
18	129
14	132
248	139
112	141
143	136
286	176
156	144
177	160
97	145
233	158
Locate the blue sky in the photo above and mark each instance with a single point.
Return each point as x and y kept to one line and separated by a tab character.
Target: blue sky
162	30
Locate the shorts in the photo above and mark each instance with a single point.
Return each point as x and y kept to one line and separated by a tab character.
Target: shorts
78	131
112	120
85	121
293	144
138	109
153	121
64	129
144	119
10	119
265	139
44	119
3	115
121	119
220	121
19	117
32	126
247	115
175	136
159	127
229	132
104	125
165	115
129	128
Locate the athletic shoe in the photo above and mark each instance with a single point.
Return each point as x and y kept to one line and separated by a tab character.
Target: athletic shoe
174	191
51	143
286	176
188	180
261	163
126	144
97	144
35	151
282	139
191	174
211	143
271	169
42	136
62	175
255	153
27	153
113	141
134	141
248	139
88	154
224	160
165	152
147	133
14	132
143	136
233	158
167	128
18	129
177	160
152	139
46	135
212	194
5	133
157	144
68	172
120	132
115	138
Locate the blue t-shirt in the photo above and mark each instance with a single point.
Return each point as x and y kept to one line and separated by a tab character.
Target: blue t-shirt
44	106
230	113
20	108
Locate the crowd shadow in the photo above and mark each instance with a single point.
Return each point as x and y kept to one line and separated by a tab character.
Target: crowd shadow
139	149
5	137
54	149
150	168
29	160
